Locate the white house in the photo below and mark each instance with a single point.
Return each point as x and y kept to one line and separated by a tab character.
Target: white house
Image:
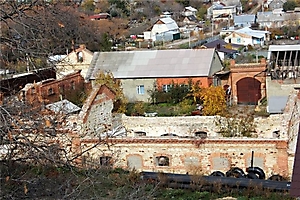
188	11
78	59
220	10
246	36
163	29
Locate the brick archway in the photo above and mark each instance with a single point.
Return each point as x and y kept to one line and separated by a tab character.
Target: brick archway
248	91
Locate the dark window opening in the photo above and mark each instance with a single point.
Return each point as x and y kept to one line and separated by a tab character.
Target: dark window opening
169	134
162	161
140	133
105	161
50	91
79	57
201	134
73	85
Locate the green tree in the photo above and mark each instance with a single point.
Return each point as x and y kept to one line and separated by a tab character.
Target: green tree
183	2
88	6
106	44
120	100
201	12
289	5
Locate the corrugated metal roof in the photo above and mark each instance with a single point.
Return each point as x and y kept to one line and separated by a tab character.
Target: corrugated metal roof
244	18
64	107
295	185
276	104
170	23
222	43
253	33
153	63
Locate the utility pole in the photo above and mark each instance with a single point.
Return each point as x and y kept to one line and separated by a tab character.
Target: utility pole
256	56
212	27
189	35
189	39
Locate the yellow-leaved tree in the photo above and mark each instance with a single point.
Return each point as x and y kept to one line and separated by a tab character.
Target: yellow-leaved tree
213	100
120	101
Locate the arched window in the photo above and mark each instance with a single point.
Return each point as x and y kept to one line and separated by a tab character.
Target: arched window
162	161
79	57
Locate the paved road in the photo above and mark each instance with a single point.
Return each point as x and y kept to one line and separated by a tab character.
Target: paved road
179	42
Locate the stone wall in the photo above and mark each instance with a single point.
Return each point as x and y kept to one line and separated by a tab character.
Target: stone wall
187	126
273	148
200	156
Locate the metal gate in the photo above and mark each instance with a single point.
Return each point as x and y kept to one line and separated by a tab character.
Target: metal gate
248	91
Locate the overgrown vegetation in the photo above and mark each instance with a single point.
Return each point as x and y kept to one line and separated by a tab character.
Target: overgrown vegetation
115	85
181	99
52	182
239	123
162	109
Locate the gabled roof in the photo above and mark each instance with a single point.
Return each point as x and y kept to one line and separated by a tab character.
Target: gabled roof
153	63
106	95
192	18
243	18
169	22
190	8
220	46
218	5
253	33
271	17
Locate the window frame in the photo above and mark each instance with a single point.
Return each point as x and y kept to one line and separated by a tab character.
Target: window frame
140	89
166	88
105	161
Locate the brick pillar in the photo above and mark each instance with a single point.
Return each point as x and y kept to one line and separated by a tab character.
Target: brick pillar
232	63
282	159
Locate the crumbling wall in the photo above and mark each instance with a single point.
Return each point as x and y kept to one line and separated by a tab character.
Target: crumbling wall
200	156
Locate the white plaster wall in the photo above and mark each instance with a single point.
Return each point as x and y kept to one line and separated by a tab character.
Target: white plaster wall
129	88
188	125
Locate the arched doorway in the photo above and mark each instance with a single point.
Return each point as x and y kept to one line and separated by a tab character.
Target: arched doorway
248	91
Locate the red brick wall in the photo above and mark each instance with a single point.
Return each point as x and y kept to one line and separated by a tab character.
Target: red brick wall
251	70
205	81
68	87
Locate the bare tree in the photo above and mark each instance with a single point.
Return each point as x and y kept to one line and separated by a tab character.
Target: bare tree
40	151
36	30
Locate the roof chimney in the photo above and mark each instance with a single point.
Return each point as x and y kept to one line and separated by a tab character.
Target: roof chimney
82	46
